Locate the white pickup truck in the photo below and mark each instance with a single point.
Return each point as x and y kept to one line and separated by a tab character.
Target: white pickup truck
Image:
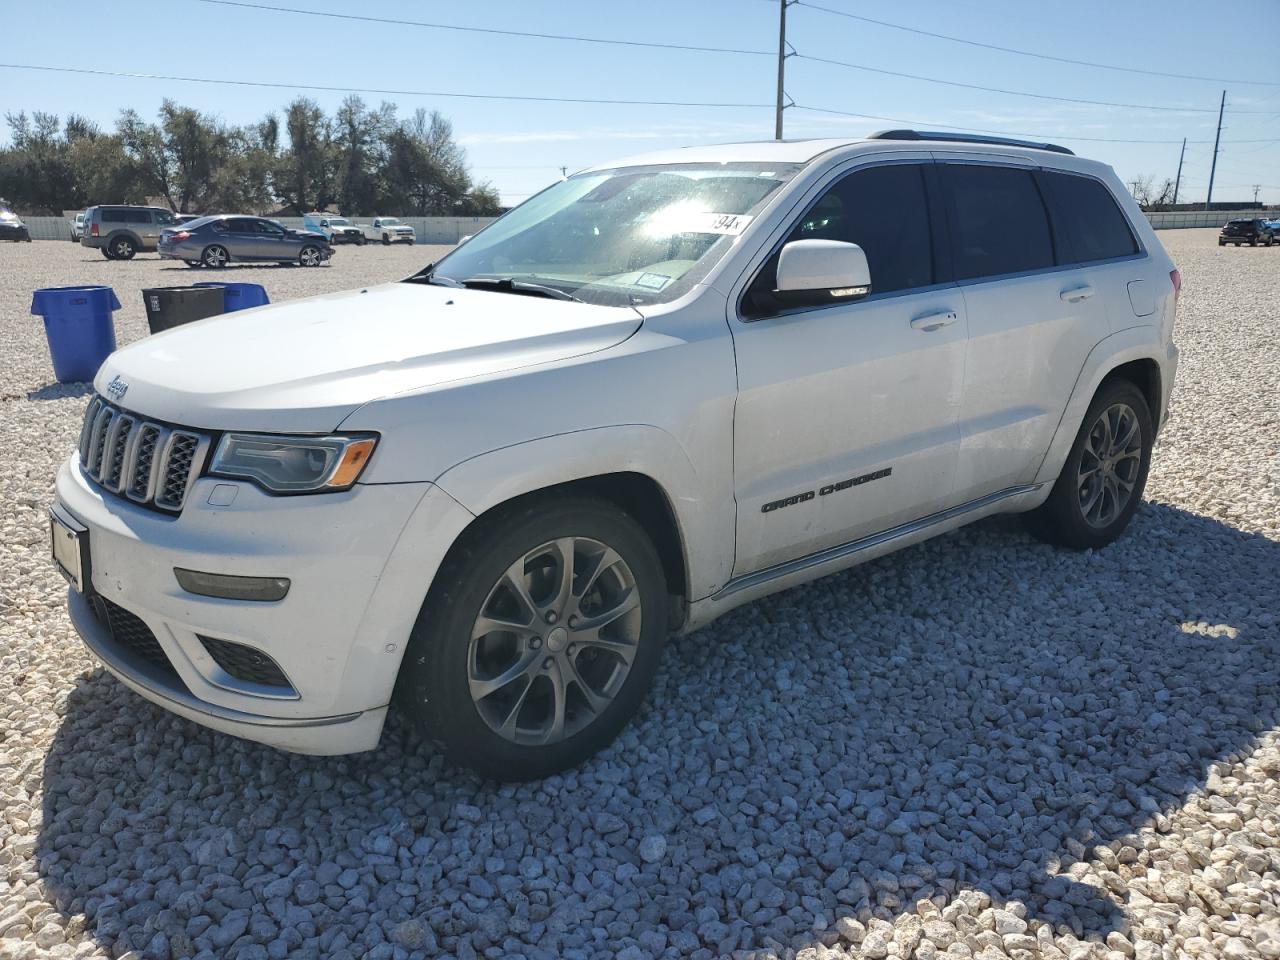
389	230
660	389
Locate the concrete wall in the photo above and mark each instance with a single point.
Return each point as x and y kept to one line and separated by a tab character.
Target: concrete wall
453	229
429	229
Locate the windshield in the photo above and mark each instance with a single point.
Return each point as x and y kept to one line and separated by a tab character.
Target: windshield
388	220
631	235
338	221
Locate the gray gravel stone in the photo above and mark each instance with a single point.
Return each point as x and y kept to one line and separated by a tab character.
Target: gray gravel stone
978	747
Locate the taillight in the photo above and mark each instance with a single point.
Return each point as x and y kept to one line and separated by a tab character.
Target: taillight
183	234
1176	277
93	230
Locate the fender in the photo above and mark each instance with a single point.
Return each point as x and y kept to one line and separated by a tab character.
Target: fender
1132	343
706	526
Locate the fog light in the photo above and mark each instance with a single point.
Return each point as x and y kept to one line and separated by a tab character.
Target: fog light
227	587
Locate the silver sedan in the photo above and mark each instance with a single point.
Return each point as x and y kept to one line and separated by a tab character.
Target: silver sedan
218	240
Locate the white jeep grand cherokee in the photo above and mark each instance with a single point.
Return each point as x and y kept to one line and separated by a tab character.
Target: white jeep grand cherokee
653	392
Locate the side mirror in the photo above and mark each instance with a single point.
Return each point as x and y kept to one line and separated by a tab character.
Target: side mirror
817	272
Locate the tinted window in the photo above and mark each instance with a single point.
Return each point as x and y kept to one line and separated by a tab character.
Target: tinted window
112	216
1089	223
882	209
242	225
998	221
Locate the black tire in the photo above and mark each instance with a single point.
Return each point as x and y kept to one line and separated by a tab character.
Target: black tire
106	252
310	256
1060	520
386	240
122	248
1222	243
361	241
1253	243
215	256
433	687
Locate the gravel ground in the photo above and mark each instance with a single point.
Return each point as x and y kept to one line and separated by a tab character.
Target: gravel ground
979	747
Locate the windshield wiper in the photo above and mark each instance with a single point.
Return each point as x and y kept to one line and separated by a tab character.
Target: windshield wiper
510	285
427	275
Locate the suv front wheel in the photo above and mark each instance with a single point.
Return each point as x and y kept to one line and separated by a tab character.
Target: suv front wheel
1102	481
539	638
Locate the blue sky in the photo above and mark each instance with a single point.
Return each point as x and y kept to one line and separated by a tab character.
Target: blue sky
521	146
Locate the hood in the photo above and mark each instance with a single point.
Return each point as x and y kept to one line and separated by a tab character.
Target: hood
303	366
305	232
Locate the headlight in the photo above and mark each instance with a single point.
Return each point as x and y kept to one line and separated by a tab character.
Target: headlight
293	464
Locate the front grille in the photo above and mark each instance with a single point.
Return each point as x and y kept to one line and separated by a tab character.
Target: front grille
131	634
245	663
151	463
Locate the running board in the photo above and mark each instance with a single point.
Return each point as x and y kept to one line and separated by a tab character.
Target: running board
854	547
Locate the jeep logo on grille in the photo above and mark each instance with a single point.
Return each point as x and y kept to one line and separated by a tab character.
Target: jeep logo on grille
117	388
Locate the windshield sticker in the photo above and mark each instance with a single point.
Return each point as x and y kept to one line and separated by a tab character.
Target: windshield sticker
667	222
652	281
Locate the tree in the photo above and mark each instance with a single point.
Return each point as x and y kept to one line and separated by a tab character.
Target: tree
359	140
1150	194
304	175
426	172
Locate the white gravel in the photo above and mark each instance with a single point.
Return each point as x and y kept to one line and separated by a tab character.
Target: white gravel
977	747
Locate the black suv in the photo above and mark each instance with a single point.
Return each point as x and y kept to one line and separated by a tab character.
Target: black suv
120	231
1252	232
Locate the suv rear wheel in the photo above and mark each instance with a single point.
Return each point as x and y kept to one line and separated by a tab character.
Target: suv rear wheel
122	248
1102	481
538	640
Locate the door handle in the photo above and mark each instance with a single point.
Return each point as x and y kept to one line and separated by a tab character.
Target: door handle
1076	294
933	321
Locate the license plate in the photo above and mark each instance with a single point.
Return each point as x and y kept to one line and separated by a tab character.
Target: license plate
70	550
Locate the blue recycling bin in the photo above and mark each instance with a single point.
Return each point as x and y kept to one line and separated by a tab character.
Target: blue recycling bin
79	327
239	296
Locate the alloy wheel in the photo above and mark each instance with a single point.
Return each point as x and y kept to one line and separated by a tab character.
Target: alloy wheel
215	257
310	257
554	641
1110	463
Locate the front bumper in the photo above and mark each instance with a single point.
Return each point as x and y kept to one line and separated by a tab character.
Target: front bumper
359	564
9	231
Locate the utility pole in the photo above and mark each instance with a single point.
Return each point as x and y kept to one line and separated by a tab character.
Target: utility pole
1178	182
782	61
1217	137
1256	188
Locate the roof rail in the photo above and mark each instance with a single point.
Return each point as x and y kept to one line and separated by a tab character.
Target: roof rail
964	138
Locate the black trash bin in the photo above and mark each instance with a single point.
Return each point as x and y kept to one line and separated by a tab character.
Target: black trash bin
169	307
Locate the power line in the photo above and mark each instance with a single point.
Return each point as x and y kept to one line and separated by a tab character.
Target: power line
927	125
489	30
1027	53
376	90
1016	93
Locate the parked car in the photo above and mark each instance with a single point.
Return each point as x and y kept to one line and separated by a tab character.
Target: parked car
335	229
388	230
77	227
11	225
1251	231
218	240
121	231
463	491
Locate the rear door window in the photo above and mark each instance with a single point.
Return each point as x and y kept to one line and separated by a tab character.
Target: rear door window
998	221
1088	221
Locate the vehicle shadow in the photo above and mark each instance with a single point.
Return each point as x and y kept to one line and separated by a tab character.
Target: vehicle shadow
975	713
61	391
